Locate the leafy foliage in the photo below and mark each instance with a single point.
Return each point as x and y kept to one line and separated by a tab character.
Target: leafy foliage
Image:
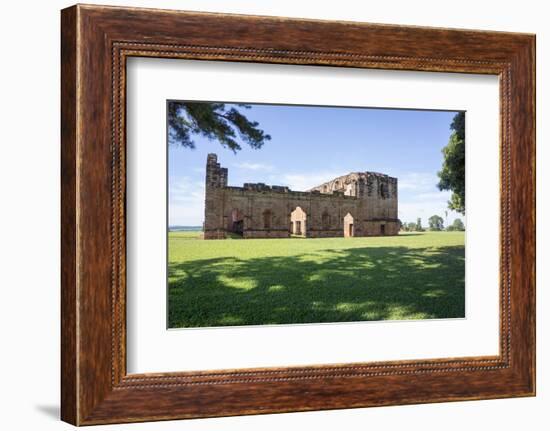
456	226
408	227
436	223
413	226
214	121
452	174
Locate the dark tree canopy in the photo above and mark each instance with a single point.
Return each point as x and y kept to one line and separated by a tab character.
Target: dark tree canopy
452	174
408	227
456	225
214	121
435	222
412	226
419	227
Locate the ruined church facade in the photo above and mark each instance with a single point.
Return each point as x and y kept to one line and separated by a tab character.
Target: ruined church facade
357	204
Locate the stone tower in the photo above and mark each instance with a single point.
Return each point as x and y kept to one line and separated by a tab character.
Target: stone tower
216	182
216	176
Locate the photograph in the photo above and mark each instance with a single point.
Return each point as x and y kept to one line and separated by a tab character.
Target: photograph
297	214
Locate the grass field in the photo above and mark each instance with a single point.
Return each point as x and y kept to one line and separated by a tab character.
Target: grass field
274	281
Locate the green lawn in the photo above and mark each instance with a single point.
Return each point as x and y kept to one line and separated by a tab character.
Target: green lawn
270	281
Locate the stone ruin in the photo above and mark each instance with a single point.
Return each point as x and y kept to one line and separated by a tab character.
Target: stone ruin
356	204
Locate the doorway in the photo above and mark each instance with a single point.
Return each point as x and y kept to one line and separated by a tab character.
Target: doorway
298	226
349	230
237	222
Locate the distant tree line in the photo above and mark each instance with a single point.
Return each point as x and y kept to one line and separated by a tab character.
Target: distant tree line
435	224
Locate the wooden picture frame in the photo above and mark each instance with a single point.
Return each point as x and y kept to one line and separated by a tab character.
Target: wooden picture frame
95	43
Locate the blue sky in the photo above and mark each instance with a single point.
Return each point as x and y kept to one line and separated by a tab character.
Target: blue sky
311	145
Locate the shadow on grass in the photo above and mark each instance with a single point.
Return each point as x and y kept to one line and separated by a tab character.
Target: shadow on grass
372	283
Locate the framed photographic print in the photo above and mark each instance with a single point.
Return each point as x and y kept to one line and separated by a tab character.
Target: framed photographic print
267	215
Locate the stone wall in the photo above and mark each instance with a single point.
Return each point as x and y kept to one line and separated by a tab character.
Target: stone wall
367	201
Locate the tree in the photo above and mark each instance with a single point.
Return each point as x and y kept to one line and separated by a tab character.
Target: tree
457	225
418	226
452	174
214	121
406	227
435	222
411	227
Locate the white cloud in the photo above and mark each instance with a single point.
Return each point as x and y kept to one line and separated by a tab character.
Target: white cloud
417	181
410	211
419	196
185	202
254	166
434	196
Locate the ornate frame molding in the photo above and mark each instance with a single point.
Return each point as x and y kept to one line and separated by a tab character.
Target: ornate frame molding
96	41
